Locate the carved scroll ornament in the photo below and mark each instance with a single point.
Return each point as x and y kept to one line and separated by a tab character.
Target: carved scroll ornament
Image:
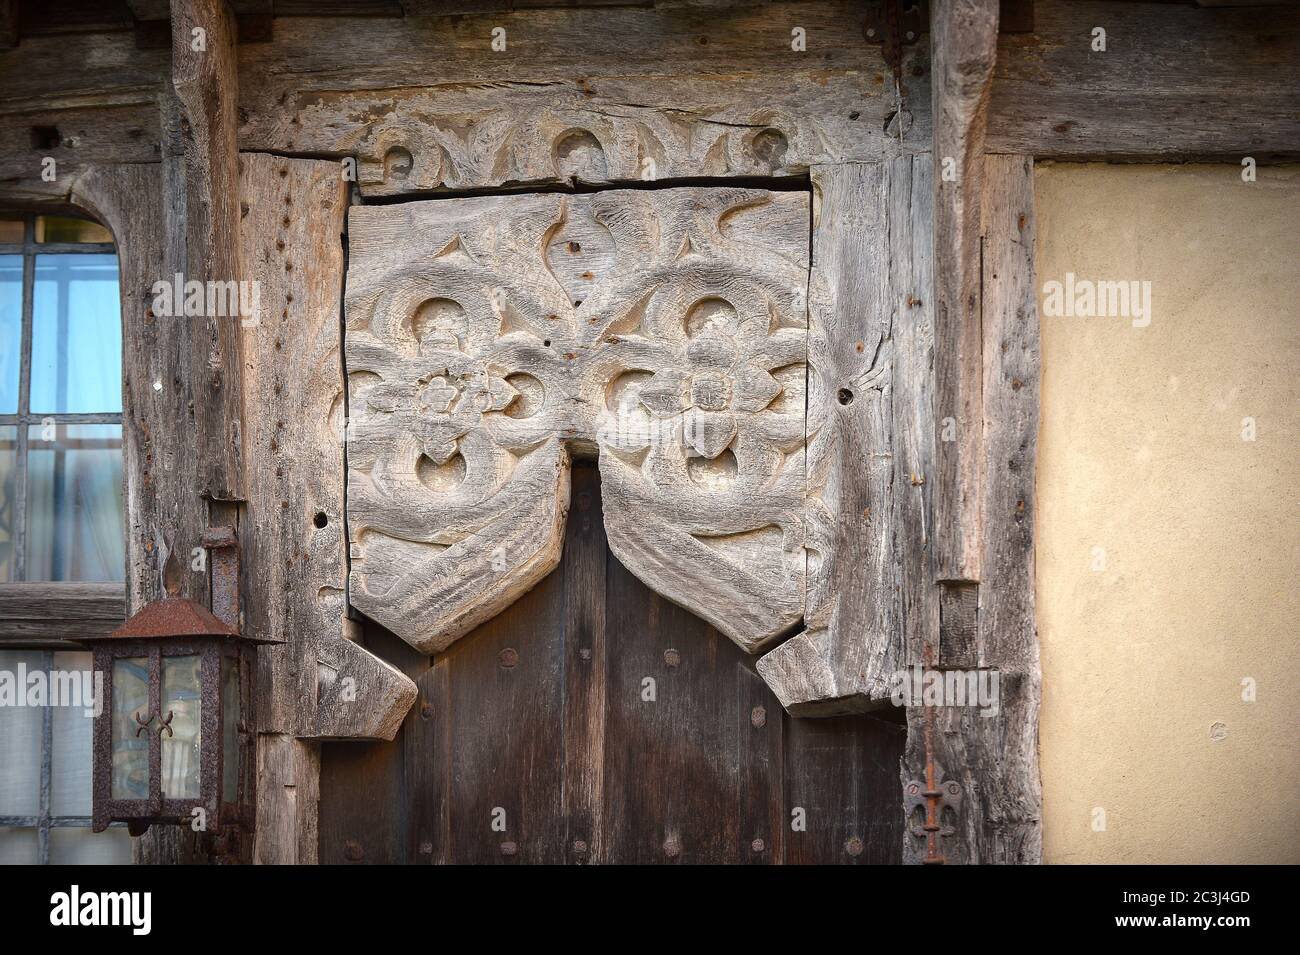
488	339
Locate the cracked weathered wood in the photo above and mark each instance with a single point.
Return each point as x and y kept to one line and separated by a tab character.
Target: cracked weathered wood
488	339
288	800
643	79
963	48
319	683
869	354
995	757
206	85
621	94
165	517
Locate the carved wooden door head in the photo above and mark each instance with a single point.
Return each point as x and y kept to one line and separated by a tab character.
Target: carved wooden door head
489	339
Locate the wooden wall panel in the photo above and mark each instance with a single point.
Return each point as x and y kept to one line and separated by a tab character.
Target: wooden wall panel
584	767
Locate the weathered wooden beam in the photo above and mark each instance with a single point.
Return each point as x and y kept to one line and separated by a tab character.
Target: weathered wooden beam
206	83
165	516
991	752
60	611
318	683
963	49
1168	86
288	800
869	421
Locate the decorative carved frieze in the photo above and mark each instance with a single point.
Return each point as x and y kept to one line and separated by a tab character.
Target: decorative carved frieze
488	339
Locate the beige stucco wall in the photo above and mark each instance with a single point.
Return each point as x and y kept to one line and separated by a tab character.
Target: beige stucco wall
1141	455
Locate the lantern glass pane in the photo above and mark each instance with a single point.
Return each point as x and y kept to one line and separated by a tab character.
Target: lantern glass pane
130	752
182	695
229	729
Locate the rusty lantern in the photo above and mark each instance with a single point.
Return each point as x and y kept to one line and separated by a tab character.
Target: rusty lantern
173	737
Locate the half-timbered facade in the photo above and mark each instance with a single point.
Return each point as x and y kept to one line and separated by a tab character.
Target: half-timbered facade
614	405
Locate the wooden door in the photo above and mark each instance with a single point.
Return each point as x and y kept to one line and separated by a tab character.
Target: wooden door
541	720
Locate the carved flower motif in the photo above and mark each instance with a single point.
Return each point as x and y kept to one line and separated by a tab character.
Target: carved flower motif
721	380
446	406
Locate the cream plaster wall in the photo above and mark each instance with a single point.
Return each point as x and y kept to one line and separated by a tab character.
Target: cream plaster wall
1141	456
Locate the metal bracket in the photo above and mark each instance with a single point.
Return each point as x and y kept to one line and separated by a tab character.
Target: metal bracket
223	550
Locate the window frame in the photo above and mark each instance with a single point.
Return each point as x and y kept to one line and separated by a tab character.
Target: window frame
23	418
47	616
45	819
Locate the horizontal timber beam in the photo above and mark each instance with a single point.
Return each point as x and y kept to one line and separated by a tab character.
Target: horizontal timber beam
60	610
721	89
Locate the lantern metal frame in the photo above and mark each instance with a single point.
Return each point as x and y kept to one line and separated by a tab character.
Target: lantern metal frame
168	628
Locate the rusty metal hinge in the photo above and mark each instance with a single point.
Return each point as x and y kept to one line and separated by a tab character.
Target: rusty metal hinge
933	801
925	802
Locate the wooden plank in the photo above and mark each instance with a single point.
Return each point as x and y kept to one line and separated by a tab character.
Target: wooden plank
963	48
585	642
288	798
860	289
206	82
505	707
428	740
1008	782
1167	87
841	786
738	100
994	757
361	804
163	517
672	764
9	34
60	611
762	828
319	683
363	790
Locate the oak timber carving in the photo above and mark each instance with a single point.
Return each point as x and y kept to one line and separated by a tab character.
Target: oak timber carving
488	339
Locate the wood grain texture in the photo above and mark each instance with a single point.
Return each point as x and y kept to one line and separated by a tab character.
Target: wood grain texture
163	514
706	769
488	339
206	83
318	683
995	757
588	95
963	48
865	478
60	611
702	91
288	801
165	517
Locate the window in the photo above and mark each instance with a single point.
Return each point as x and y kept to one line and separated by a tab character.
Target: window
61	513
45	769
61	517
